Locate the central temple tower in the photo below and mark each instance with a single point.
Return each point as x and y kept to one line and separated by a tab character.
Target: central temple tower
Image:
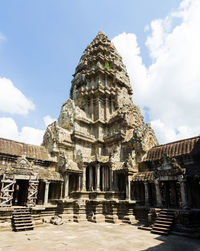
100	87
100	137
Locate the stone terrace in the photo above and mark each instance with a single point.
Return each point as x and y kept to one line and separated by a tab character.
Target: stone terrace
90	236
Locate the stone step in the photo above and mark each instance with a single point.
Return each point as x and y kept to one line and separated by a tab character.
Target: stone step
24	220
167	211
161	224
23	224
159	232
24	228
171	215
161	228
22	217
21	213
166	216
164	219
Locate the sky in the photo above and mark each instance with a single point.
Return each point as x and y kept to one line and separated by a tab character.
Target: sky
41	43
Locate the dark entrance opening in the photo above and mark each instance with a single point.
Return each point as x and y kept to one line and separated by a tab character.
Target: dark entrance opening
20	193
73	182
121	182
170	191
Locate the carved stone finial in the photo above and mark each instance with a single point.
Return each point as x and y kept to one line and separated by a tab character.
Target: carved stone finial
101	33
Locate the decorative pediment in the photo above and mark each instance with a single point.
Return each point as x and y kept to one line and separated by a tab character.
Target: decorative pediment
23	163
168	167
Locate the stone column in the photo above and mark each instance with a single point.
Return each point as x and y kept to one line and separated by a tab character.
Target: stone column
61	190
183	193
146	187
158	194
106	108
66	185
90	178
79	182
112	105
128	188
106	178
84	179
46	192
91	108
103	178
98	177
111	179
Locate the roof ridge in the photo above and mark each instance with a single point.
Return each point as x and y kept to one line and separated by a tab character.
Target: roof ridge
5	139
181	140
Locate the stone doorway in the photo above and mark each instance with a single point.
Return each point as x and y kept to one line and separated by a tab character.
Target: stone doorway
170	192
73	182
20	194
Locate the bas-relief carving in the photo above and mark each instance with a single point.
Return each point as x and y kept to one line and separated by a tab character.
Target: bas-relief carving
168	167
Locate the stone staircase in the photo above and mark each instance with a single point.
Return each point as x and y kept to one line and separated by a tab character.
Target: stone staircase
163	222
21	219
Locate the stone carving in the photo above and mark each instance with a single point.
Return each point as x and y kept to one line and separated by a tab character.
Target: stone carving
115	154
23	163
168	167
67	114
130	162
55	136
123	98
56	220
61	162
99	124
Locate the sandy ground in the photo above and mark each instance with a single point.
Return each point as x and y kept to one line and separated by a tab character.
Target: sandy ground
95	237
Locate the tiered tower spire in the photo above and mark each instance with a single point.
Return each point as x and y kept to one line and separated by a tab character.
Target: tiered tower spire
100	80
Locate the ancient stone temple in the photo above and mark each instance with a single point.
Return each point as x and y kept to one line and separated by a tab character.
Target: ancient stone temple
99	161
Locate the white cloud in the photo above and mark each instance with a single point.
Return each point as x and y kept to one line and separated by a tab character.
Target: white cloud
12	100
9	130
29	135
48	120
170	86
127	46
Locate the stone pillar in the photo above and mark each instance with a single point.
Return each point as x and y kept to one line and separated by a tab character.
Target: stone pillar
111	179
146	189
91	108
84	179
103	178
61	190
128	188
79	182
183	193
112	106
46	192
106	178
106	108
98	177
66	185
90	179
158	194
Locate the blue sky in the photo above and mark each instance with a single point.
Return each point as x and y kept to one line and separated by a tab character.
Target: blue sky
42	42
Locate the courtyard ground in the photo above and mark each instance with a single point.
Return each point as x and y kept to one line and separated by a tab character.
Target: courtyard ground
90	236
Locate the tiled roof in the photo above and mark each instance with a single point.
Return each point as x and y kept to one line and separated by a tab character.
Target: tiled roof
144	176
14	148
181	147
